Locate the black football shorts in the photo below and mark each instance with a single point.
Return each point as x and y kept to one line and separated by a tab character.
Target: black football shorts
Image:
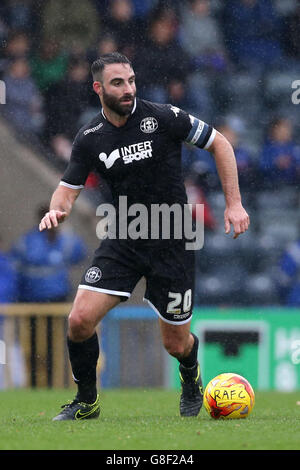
169	270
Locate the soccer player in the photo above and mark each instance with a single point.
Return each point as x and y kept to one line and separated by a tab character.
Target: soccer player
135	145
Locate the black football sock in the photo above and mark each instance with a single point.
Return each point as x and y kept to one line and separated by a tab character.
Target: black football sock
83	357
191	360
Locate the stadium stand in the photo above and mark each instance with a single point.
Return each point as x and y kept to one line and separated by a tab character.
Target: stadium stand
220	82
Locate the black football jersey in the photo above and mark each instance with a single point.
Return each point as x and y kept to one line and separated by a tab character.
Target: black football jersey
142	159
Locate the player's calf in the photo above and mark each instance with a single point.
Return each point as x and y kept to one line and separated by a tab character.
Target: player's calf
191	398
88	309
83	357
180	343
177	339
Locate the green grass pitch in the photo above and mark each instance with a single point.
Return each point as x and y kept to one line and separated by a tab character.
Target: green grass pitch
140	419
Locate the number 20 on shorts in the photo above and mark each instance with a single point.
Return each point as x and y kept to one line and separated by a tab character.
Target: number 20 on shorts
174	306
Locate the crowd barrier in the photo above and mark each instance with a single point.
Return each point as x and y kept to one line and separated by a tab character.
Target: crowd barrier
34	347
262	344
34	350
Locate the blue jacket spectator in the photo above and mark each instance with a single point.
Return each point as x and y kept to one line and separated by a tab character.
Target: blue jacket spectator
23	100
244	158
201	37
8	280
201	161
253	31
280	160
43	262
288	278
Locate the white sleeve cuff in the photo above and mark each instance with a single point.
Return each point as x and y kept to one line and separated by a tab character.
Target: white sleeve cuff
71	186
211	139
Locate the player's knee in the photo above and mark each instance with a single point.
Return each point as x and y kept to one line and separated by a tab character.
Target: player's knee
174	348
80	328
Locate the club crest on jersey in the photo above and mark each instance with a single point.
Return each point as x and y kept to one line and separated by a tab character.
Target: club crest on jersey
128	153
93	275
148	125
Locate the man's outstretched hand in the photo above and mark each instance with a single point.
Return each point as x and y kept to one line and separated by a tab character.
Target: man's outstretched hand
52	219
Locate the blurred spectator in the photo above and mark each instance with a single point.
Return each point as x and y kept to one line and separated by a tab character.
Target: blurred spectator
280	160
179	94
166	59
43	260
200	164
201	37
252	29
122	26
17	46
23	100
3	34
8	279
48	64
196	195
142	9
18	14
61	145
288	276
67	100
291	36
105	45
244	159
71	23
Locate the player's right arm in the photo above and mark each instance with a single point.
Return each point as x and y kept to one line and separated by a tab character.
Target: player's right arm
70	186
60	207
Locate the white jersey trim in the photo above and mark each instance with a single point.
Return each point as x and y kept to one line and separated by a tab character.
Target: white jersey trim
105	291
71	186
211	139
164	319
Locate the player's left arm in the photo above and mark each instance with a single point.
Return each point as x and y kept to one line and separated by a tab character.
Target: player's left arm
189	129
234	214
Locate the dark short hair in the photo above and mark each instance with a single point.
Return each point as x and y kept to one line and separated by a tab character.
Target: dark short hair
107	59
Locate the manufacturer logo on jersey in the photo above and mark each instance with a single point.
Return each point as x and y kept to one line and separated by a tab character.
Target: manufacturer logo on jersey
130	153
175	110
93	275
148	125
93	129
